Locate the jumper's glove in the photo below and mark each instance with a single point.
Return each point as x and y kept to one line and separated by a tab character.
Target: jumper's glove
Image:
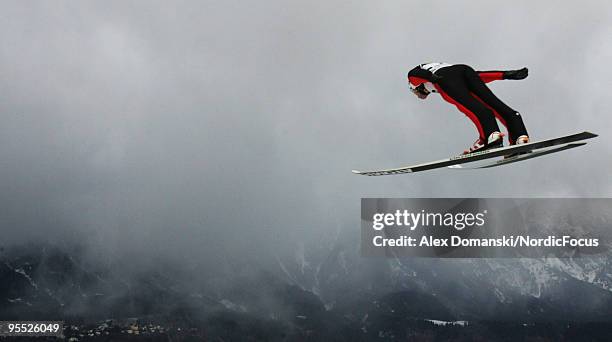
516	74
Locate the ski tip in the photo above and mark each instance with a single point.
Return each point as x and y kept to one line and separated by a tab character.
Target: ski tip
591	134
382	172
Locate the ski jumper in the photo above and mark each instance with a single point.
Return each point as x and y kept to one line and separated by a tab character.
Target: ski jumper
465	88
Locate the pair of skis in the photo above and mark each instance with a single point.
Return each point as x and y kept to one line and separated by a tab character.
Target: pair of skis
524	151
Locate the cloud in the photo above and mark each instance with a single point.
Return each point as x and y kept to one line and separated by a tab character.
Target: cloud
196	128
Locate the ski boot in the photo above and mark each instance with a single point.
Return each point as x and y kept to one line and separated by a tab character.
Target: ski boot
495	140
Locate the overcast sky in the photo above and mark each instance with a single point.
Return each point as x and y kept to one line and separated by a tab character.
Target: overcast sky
195	125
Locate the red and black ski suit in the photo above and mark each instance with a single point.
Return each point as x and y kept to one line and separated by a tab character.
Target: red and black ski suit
464	87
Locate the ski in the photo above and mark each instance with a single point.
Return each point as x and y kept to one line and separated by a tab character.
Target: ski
520	157
467	158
